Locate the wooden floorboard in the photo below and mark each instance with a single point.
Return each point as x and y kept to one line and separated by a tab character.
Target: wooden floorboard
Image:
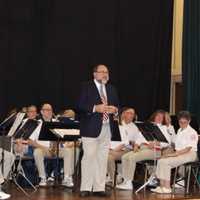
62	193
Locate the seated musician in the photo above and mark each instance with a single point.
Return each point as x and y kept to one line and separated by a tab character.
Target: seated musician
185	151
21	147
69	146
129	134
48	149
8	159
143	150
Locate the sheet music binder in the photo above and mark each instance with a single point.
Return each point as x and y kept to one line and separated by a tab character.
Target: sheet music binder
47	135
116	136
7	123
27	129
151	132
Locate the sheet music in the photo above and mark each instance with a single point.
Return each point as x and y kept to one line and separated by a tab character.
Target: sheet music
63	132
8	118
16	124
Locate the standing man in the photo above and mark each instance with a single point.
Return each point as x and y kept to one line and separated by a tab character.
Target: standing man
98	104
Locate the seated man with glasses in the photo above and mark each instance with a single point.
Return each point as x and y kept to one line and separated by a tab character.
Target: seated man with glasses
48	149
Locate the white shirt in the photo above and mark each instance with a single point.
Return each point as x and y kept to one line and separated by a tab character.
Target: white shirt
128	132
187	137
98	85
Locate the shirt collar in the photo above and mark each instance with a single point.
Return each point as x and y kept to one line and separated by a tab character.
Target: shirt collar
97	83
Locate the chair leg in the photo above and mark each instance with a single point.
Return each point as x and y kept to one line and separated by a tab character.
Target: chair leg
196	173
174	181
115	177
188	178
146	175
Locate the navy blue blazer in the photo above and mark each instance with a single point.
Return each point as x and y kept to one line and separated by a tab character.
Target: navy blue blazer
91	122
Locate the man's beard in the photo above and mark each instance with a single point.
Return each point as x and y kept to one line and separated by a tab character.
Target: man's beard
104	81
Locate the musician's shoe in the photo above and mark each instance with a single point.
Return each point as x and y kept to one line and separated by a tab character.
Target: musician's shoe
162	190
4	195
68	181
43	182
102	194
84	194
126	185
153	183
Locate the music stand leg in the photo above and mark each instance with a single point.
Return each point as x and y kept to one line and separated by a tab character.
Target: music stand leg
75	170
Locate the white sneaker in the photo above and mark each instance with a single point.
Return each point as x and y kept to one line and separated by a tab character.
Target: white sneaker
108	179
119	178
43	182
4	195
166	190
180	184
162	190
68	181
153	182
126	185
50	179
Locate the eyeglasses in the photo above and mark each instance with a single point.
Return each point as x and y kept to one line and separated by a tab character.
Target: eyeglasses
31	111
47	109
103	72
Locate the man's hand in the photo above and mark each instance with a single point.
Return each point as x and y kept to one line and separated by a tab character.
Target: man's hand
100	108
169	155
30	142
151	145
120	147
136	148
111	109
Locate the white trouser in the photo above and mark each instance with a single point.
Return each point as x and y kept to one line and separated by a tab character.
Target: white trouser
9	159
164	165
66	153
130	159
94	161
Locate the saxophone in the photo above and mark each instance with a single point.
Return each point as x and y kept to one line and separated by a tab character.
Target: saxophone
53	148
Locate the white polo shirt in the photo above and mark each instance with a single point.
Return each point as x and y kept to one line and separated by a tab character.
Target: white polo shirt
128	132
187	137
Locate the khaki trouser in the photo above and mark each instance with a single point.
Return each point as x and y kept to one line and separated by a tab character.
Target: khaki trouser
94	161
9	159
130	159
112	157
66	153
164	165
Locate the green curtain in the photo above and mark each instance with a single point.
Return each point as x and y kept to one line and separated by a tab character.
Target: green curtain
191	56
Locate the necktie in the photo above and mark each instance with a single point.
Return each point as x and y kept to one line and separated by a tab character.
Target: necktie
104	101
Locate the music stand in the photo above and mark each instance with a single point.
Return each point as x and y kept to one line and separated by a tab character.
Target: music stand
116	136
151	132
23	132
27	129
48	133
8	122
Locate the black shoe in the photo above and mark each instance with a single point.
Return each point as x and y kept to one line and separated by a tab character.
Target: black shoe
102	194
84	194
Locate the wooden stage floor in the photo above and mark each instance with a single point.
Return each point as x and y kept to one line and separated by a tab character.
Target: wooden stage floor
62	193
